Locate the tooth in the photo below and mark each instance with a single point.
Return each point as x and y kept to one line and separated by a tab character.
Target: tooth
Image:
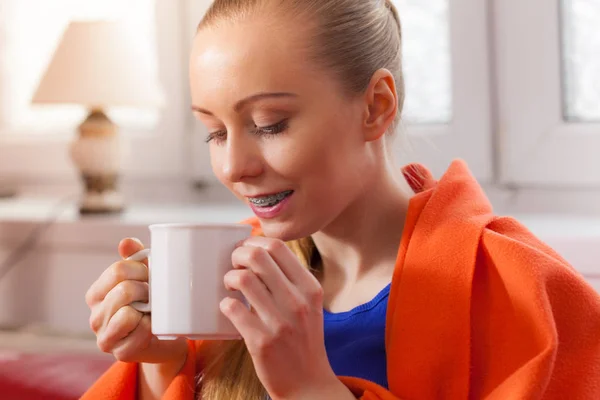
269	200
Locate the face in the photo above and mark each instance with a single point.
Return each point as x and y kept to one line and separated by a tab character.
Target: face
283	136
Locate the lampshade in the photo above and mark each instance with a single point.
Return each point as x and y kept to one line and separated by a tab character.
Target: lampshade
101	64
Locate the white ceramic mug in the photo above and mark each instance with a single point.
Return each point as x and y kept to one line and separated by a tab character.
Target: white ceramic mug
187	263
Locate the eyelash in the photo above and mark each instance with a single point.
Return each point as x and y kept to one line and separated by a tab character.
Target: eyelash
271	130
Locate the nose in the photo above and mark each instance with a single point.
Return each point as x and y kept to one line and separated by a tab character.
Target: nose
242	158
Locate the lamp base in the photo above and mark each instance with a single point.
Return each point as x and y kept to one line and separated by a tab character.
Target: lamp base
109	202
7	191
101	195
97	154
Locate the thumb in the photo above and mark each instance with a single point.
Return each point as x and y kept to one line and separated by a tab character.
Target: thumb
130	246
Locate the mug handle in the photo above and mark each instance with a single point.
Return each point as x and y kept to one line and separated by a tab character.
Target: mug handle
139	305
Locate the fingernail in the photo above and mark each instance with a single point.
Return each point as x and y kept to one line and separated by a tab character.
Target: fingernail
225	305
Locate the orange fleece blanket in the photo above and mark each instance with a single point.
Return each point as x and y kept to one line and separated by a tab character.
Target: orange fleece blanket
479	308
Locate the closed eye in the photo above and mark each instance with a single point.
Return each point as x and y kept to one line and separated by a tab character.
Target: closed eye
272	129
217	136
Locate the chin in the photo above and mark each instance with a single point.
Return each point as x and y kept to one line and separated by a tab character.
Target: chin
285	231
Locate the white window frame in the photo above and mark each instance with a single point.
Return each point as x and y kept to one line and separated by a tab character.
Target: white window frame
156	154
538	148
467	136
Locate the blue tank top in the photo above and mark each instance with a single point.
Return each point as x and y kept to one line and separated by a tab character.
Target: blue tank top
355	340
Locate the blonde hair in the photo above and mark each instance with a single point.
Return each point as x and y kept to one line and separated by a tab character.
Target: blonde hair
352	39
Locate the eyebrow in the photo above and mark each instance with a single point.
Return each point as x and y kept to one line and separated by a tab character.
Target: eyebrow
250	99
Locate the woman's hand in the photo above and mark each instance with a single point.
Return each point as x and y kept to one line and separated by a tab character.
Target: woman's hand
283	330
119	328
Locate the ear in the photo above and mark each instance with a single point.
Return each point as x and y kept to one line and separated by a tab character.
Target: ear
381	104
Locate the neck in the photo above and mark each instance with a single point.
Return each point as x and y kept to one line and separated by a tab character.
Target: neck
349	254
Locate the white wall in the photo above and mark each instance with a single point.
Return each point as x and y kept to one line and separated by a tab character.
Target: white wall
49	286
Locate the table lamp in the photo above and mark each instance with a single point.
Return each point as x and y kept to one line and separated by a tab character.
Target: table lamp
99	64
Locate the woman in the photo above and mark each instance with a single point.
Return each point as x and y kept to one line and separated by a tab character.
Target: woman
414	289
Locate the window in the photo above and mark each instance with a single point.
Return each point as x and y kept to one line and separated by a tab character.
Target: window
549	92
448	101
427	61
580	61
37	26
512	87
34	140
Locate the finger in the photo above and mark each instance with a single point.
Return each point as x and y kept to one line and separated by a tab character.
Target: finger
118	272
262	264
123	294
142	345
287	261
120	325
255	292
129	346
247	324
96	320
285	300
130	246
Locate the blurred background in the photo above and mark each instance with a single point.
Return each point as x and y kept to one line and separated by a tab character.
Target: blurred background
97	141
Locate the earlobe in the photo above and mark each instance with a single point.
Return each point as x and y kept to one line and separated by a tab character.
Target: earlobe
381	104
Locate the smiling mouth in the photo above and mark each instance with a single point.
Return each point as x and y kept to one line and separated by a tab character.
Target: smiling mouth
270	200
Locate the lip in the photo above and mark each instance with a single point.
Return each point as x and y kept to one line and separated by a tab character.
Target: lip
271	212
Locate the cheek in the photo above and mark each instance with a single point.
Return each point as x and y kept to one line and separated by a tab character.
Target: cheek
319	155
340	161
298	156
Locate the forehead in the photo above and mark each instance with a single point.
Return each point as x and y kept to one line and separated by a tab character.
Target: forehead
250	56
